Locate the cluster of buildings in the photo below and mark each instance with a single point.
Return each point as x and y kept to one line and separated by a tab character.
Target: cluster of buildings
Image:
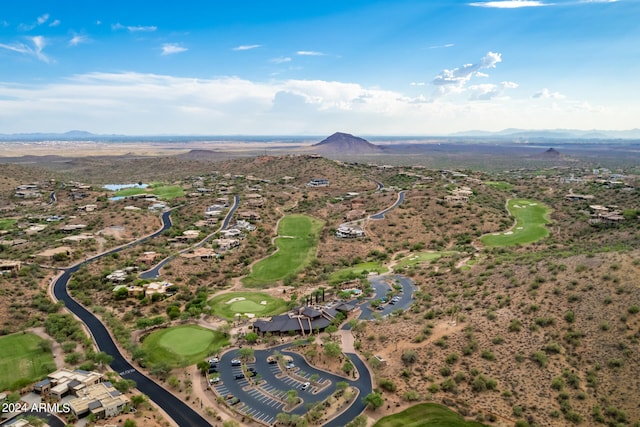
303	320
83	393
148	289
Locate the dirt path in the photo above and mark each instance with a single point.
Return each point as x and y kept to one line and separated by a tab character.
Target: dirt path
56	349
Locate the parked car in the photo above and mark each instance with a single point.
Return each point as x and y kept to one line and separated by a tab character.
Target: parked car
236	362
214	380
290	365
380	308
213	369
213	361
251	369
305	386
239	376
234	401
272	361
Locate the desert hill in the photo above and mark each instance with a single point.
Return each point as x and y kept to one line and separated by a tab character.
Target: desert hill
346	144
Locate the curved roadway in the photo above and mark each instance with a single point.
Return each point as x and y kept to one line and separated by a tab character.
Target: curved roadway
380	215
178	410
154	272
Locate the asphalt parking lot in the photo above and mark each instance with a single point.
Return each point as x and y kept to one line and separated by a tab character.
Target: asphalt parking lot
263	402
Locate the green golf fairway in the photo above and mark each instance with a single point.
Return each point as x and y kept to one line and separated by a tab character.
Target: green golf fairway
23	361
296	248
531	218
426	415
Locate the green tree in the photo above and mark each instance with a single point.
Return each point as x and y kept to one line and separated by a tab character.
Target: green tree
332	349
251	337
292	397
203	367
373	400
246	353
130	423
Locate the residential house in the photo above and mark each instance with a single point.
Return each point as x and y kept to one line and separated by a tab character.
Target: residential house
65	381
349	232
226	244
249	215
7	266
318	182
102	400
147	258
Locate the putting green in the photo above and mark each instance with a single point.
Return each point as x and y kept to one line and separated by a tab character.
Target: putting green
247	306
531	218
252	303
182	345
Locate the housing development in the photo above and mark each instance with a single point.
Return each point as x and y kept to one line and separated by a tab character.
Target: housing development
298	288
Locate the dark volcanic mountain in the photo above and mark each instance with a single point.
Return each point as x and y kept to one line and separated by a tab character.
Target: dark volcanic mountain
346	144
551	153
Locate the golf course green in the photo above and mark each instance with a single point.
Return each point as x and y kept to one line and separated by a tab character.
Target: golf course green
246	303
296	244
531	218
23	360
426	415
182	345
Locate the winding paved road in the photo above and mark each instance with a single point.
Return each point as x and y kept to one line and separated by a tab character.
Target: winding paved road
178	410
154	272
380	215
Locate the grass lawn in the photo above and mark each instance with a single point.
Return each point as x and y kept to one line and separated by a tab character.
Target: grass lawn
356	271
500	185
296	248
531	218
7	223
22	361
166	192
227	305
427	415
182	345
419	258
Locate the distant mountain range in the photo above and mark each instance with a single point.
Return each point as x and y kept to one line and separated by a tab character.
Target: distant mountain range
554	134
511	133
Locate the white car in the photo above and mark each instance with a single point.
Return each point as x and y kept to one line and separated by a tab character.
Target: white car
214	380
214	360
290	365
305	386
236	362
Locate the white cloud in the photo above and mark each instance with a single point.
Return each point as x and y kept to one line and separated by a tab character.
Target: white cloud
417	83
509	4
135	103
443	46
43	18
246	47
309	53
134	29
79	39
38	42
458	77
171	48
547	94
488	91
281	60
55	23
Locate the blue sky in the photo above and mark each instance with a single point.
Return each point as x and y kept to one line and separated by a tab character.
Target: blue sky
402	67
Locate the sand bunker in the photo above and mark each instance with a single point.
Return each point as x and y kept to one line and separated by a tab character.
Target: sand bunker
506	233
236	299
263	302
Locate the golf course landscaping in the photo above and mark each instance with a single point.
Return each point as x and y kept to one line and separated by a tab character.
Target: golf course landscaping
248	304
296	246
182	345
165	192
531	218
419	258
24	359
426	415
356	271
